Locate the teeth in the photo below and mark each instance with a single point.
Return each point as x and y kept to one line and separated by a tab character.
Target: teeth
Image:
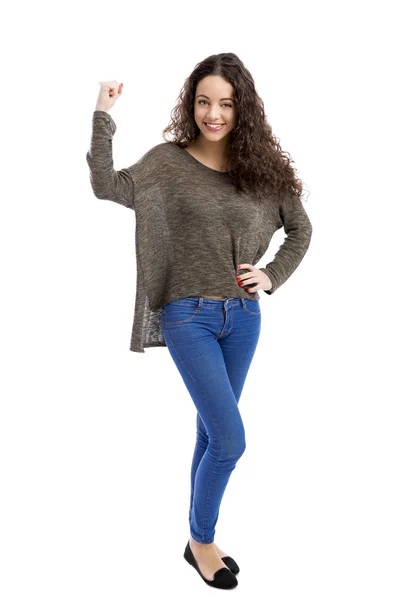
214	126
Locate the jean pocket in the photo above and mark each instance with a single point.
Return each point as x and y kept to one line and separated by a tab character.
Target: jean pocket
252	306
177	312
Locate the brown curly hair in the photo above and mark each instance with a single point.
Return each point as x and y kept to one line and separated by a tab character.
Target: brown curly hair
256	161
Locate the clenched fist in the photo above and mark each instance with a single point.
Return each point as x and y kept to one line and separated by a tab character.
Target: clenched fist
109	92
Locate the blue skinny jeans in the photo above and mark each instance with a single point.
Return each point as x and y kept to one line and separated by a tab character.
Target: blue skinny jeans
212	343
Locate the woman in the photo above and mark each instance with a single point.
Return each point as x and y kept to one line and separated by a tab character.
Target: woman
207	204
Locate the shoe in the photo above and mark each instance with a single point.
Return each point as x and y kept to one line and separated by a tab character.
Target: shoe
231	564
223	578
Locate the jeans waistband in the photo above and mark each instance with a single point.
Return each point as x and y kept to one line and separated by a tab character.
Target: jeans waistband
213	303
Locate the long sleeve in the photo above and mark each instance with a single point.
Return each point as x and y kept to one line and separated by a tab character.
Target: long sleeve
298	228
107	184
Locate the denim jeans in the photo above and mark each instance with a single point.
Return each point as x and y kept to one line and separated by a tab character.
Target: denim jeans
212	343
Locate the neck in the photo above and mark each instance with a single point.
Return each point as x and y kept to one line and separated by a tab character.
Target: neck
215	151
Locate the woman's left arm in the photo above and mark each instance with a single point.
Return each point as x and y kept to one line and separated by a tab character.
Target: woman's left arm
298	228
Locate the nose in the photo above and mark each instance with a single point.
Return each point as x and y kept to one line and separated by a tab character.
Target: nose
213	114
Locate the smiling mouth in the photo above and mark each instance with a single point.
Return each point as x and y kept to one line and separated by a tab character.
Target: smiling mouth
214	126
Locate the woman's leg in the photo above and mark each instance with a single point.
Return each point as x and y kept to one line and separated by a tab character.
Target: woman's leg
194	329
238	349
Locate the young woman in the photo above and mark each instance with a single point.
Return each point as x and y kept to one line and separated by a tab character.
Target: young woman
207	204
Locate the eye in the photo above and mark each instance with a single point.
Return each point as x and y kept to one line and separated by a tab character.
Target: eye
225	103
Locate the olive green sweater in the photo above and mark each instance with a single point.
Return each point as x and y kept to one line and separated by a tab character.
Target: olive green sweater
192	228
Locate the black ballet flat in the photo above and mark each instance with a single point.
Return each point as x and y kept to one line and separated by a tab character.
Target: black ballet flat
223	578
231	564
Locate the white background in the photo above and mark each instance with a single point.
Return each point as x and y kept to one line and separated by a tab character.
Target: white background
96	441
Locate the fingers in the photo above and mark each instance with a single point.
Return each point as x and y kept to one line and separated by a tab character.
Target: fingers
112	85
245	281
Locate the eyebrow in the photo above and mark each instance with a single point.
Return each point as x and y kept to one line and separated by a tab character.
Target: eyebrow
209	98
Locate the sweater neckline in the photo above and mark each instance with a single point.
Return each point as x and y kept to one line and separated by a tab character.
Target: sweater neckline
202	165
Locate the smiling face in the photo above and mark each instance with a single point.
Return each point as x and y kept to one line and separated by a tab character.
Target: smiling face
214	104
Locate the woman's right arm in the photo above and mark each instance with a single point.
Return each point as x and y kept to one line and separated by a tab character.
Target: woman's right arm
107	184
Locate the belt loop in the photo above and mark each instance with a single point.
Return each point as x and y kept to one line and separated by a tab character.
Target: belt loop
200	302
243	302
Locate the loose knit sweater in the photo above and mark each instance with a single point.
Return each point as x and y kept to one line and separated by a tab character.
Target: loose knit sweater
192	228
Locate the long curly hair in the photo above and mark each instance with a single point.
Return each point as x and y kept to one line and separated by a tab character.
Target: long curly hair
256	162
